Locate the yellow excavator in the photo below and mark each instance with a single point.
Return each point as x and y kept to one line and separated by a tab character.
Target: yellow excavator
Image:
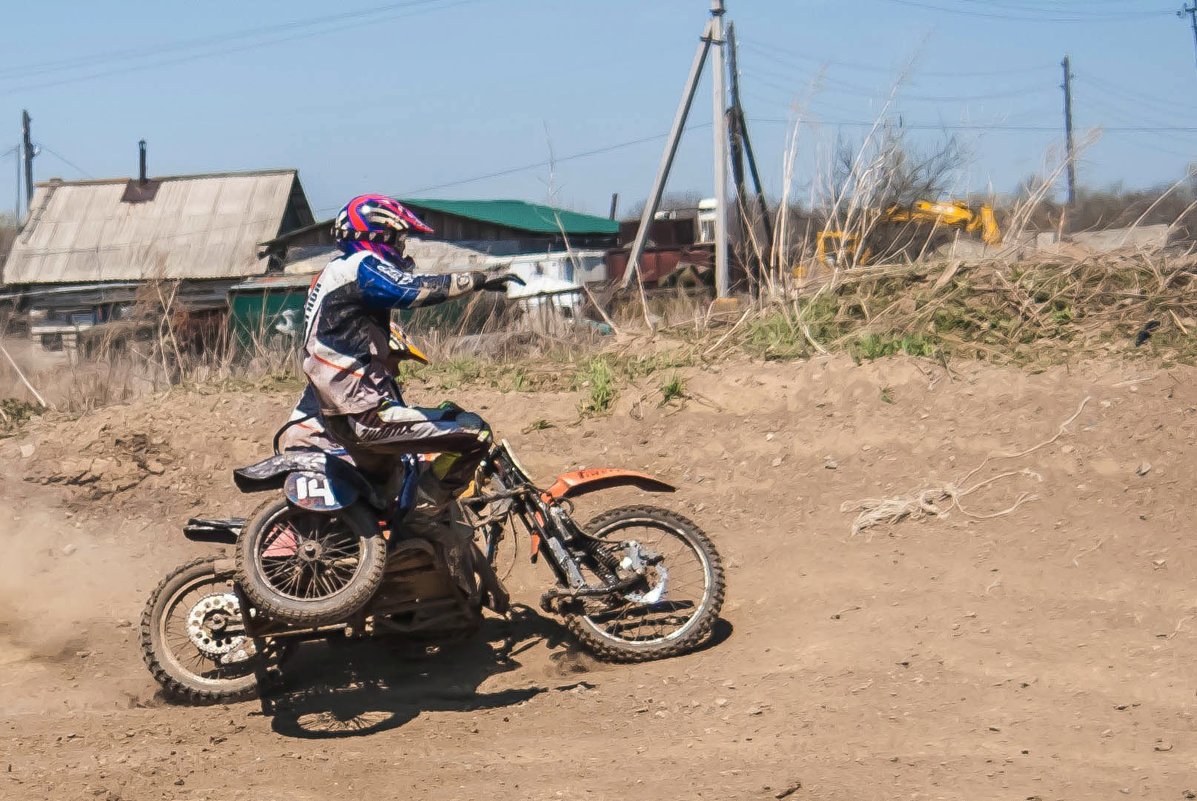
907	229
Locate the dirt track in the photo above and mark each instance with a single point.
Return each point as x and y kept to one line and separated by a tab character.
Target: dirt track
1045	654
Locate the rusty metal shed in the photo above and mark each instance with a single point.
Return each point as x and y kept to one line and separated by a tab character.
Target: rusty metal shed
180	227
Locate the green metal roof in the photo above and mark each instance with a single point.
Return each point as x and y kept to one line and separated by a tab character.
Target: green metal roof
521	216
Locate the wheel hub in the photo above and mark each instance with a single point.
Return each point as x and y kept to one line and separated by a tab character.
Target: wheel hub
209	621
310	551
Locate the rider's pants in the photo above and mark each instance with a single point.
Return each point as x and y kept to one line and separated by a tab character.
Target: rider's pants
392	430
460	440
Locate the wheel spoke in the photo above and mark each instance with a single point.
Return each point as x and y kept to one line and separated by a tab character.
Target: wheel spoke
335	560
322	583
686	585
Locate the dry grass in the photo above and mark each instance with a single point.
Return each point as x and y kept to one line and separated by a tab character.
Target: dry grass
1033	313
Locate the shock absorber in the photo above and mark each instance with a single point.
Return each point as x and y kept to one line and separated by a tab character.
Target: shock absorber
606	562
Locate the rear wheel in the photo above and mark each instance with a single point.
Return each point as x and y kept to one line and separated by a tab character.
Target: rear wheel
307	568
674	609
193	640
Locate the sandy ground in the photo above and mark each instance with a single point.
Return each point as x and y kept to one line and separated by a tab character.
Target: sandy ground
1044	654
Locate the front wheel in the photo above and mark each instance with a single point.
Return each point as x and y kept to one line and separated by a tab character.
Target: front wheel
677	606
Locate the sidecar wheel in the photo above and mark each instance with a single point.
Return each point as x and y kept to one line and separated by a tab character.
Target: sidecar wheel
307	568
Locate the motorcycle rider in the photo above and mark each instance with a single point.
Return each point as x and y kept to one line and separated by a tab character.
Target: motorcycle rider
347	319
304	429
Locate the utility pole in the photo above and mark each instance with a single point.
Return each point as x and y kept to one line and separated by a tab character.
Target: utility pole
711	35
1071	148
675	135
16	213
741	147
1192	12
722	274
736	136
27	146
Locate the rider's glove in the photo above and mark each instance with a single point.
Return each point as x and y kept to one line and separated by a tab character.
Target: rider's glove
497	282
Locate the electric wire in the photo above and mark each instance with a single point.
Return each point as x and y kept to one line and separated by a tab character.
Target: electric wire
898	85
98	59
1074	17
443	4
67	162
548	162
788	57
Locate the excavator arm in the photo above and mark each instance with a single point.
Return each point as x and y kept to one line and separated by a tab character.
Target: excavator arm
832	245
950	214
991	232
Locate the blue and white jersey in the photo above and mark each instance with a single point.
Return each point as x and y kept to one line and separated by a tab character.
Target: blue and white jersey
346	326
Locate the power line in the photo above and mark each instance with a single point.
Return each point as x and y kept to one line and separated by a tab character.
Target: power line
1157	105
557	160
957	127
238	48
1153	146
1118	115
1160	141
812	105
189	44
821	113
898	92
992	127
1073	18
67	162
537	165
791	58
898	88
1054	8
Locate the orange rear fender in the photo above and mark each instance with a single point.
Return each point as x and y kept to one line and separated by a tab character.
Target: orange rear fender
580	482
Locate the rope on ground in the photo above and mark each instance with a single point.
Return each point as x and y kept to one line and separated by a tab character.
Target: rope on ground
938	500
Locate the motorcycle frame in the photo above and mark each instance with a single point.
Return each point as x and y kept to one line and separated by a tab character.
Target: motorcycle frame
547	514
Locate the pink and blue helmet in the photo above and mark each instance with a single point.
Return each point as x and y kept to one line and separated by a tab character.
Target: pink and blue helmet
376	223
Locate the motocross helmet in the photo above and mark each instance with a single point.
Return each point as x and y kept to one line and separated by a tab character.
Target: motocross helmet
378	224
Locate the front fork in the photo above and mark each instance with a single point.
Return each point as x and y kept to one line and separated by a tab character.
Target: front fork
572	584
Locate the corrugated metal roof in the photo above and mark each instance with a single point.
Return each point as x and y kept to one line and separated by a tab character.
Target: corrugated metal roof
203	226
521	215
276	282
308	259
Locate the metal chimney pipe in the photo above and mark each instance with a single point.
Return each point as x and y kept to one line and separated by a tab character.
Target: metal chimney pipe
141	176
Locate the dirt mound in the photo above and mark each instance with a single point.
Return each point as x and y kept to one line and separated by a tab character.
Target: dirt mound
115	461
177	450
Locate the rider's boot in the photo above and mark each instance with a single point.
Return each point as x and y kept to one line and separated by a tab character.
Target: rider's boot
437	517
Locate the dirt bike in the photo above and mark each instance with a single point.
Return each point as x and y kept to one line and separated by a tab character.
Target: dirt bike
337	555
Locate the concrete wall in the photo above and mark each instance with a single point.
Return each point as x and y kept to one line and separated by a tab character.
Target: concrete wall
1143	236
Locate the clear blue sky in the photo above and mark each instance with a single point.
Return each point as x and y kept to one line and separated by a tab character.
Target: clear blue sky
411	97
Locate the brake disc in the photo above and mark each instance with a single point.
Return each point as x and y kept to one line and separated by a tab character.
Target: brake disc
650	565
209	621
